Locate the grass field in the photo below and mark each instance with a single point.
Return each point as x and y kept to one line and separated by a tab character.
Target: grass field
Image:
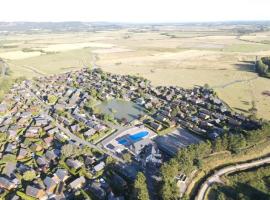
183	56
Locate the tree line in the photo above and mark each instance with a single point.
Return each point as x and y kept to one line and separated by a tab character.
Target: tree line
190	158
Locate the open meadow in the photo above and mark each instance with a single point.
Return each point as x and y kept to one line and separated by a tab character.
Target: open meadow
221	56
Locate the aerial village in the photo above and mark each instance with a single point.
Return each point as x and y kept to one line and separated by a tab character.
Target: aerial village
88	132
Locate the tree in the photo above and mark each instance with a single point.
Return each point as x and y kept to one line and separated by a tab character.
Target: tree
221	196
140	187
29	175
169	190
68	150
127	157
110	160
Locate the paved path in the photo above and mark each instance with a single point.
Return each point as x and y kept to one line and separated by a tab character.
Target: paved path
216	176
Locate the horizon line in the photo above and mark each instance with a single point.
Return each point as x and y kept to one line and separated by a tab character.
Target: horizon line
133	22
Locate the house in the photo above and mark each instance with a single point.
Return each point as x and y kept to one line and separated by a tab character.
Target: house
89	133
160	118
50	184
6	184
140	101
42	161
51	155
155	126
138	146
12	133
36	147
100	166
48	141
77	183
31	132
22	154
35	192
61	174
75	164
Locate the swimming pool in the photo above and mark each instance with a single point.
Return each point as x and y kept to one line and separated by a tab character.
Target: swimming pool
138	136
133	138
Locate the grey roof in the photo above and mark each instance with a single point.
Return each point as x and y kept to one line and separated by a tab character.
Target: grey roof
62	174
77	182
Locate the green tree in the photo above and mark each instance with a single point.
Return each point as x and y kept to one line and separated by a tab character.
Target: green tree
69	150
29	175
127	157
140	187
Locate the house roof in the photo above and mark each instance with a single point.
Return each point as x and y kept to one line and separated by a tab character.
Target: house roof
34	192
62	174
77	183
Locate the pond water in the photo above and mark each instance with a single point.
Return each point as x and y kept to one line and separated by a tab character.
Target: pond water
121	109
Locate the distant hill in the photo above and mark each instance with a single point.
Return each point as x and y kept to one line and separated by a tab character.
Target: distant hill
56	26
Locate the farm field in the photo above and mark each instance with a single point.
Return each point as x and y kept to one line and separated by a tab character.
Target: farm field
219	56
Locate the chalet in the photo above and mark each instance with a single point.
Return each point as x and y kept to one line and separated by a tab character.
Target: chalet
35	192
100	166
61	174
74	164
22	122
53	131
155	126
42	161
74	128
36	147
77	183
6	184
25	115
48	141
204	116
10	147
12	132
138	146
89	161
32	132
22	154
51	155
50	184
160	118
89	132
140	101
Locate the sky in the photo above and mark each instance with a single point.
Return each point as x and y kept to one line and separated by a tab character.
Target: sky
136	11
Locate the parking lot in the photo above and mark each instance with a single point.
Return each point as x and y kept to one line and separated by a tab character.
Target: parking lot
172	142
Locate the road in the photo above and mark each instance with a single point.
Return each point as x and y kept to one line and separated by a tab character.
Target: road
215	178
68	132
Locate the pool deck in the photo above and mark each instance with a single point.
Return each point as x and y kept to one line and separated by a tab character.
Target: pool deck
113	139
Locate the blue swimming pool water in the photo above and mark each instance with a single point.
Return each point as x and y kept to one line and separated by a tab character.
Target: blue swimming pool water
138	136
123	141
133	138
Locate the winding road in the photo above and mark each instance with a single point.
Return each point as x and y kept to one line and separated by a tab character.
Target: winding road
215	178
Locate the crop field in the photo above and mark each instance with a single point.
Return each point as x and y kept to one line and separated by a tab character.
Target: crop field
219	56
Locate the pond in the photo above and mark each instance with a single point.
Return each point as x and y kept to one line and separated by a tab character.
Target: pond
121	109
